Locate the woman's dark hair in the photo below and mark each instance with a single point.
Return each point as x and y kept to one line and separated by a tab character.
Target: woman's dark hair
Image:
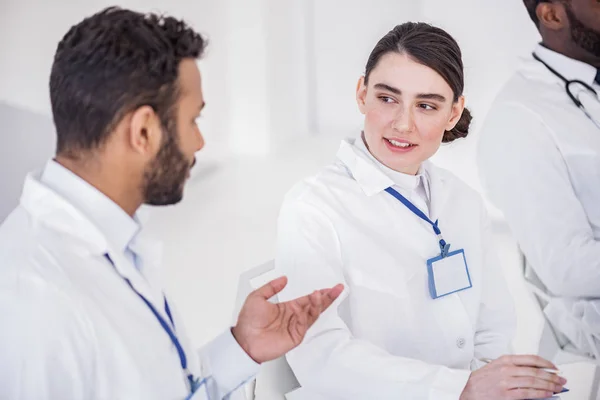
434	48
112	63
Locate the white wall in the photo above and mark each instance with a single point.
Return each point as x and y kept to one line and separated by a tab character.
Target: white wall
343	39
27	139
27	53
288	70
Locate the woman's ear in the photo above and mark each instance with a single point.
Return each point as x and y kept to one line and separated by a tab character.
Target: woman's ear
457	110
361	94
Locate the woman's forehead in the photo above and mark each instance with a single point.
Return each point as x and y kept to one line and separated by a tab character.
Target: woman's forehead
404	73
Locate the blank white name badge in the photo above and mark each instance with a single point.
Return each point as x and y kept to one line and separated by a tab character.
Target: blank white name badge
449	274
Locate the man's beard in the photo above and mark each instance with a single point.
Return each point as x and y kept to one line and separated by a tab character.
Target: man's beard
165	177
586	38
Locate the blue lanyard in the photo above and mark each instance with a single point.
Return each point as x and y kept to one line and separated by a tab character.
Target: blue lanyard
194	384
444	247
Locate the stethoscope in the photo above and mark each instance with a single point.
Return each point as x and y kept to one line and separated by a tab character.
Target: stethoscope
568	84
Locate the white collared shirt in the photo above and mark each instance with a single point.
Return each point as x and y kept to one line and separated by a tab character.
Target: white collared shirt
414	187
569	68
539	161
72	327
118	227
387	338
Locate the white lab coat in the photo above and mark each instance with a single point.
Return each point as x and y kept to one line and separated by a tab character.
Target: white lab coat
72	328
539	160
388	339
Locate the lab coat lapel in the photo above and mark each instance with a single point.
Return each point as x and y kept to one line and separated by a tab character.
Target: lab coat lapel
127	271
144	280
149	253
66	225
370	178
438	194
590	102
423	238
440	207
69	227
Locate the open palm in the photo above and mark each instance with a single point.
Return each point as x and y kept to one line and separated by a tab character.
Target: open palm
267	331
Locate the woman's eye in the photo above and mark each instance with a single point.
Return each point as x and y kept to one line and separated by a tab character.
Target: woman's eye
427	107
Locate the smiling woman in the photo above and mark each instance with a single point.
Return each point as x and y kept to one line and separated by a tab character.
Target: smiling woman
412	96
425	300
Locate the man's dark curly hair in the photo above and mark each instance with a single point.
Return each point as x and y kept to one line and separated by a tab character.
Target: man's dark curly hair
111	64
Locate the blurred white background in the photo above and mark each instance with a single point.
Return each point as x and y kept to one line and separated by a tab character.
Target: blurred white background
279	80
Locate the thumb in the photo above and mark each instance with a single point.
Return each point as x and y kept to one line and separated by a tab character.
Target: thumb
272	288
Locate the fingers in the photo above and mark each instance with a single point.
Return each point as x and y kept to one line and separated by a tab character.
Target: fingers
322	299
299	313
307	308
330	295
528	361
316	307
538	374
529	380
271	289
311	306
535	383
519	394
303	301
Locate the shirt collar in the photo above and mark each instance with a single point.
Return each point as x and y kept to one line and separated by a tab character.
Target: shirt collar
569	68
371	174
117	226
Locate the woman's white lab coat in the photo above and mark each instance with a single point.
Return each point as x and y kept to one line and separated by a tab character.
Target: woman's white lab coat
73	329
388	339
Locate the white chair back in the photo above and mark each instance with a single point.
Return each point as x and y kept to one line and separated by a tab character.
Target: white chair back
553	345
275	378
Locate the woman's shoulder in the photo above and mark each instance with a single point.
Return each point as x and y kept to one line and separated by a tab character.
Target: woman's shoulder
330	182
455	186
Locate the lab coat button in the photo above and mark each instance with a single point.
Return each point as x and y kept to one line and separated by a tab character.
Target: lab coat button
460	343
